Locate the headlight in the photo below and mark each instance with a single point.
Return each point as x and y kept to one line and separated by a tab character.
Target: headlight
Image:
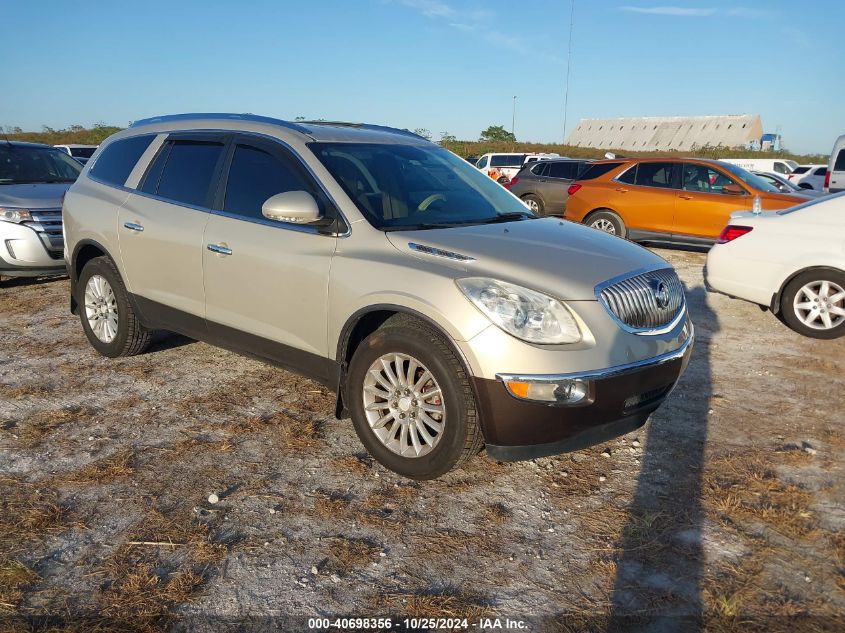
526	314
10	214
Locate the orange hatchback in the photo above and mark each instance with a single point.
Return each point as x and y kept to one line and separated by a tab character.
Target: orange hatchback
681	200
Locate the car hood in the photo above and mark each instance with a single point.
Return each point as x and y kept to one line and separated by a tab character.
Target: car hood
39	195
558	257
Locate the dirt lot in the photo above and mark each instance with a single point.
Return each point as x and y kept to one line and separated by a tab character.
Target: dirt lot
727	505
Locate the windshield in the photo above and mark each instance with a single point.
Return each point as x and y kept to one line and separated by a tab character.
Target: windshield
749	179
26	164
407	186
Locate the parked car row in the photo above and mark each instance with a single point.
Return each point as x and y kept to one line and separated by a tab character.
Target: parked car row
502	167
80	152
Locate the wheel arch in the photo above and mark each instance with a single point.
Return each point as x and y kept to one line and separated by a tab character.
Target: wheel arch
367	320
592	212
84	251
775	305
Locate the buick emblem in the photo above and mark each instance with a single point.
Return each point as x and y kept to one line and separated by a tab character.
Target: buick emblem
661	294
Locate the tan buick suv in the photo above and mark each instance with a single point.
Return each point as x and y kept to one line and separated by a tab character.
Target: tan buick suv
445	315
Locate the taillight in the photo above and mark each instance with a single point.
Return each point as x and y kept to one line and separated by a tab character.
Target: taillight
573	188
731	232
827	180
508	184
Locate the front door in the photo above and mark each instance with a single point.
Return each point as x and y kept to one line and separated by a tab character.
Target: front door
266	282
706	201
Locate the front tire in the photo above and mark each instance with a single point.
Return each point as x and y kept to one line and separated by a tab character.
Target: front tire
109	322
411	400
813	303
607	221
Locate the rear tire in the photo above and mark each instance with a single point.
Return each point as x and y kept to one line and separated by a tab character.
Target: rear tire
534	203
607	221
401	341
107	316
813	303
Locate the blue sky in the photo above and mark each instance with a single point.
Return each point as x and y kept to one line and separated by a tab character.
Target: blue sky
444	65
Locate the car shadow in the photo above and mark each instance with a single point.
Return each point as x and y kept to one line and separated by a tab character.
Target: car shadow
164	340
660	565
17	282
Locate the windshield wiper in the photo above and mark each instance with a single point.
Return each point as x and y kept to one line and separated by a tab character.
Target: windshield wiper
508	217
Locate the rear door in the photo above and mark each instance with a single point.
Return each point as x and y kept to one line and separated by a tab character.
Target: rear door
266	282
645	197
560	175
706	200
160	227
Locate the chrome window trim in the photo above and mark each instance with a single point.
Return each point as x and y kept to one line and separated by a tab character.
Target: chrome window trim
682	310
598	374
302	228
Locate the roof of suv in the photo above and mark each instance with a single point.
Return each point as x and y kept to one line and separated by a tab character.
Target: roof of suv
23	144
333	131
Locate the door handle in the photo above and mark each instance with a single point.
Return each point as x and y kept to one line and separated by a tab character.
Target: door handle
621	190
220	249
684	196
132	226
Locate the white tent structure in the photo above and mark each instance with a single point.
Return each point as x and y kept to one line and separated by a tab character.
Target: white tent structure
647	134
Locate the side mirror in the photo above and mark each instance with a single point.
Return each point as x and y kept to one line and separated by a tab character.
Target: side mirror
733	190
297	207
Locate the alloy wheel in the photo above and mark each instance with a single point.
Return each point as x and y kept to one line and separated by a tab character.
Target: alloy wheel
101	308
404	405
820	305
605	225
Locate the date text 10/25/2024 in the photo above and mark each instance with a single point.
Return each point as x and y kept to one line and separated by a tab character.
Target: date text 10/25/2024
416	624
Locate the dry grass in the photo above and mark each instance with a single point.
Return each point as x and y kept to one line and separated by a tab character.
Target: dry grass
445	602
497	513
347	553
743	488
14	576
38	389
164	562
103	471
35	429
27	514
330	505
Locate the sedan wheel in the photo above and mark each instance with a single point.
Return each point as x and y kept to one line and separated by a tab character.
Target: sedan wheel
404	405
820	305
101	308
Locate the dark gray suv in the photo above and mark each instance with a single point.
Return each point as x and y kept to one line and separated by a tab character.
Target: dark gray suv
543	185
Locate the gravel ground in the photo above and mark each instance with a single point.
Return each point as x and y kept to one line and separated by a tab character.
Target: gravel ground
725	512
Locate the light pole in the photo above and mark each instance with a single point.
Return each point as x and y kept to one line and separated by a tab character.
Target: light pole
513	117
568	66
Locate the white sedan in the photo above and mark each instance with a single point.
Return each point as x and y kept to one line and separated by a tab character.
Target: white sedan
790	261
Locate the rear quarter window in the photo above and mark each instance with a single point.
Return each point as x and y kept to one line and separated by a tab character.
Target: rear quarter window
118	159
839	165
801	170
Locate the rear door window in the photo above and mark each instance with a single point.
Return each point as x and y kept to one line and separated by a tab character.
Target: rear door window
821	171
118	159
184	171
565	170
654	175
801	170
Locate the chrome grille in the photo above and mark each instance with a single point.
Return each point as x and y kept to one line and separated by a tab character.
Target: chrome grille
48	222
647	301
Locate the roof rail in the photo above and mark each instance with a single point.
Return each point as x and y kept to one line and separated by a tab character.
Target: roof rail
219	115
366	126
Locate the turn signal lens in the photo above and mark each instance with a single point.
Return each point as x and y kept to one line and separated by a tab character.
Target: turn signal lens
731	232
563	391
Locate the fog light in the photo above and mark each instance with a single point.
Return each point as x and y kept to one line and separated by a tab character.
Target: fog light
564	391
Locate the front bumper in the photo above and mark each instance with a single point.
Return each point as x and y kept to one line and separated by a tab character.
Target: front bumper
619	400
24	252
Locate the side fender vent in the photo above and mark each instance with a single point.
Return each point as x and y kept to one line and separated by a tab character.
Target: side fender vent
439	252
